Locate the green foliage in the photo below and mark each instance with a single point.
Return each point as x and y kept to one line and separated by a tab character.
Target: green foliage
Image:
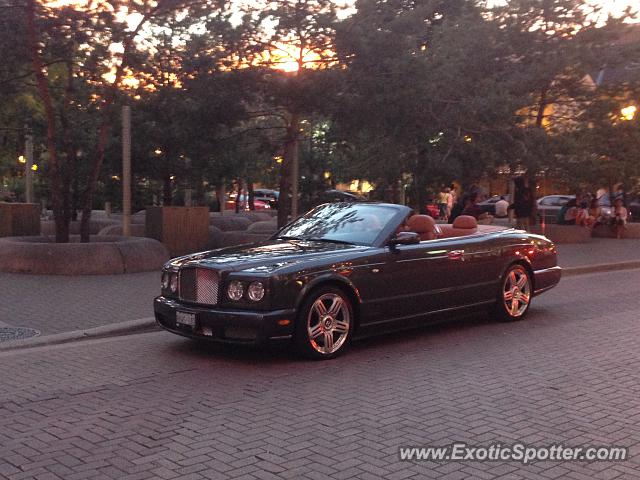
415	93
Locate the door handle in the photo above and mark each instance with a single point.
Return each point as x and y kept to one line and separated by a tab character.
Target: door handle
456	255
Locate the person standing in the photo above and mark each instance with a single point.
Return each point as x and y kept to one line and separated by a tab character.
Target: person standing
443	203
522	204
452	199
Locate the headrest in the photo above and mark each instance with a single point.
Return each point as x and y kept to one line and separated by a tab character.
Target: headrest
421	224
465	221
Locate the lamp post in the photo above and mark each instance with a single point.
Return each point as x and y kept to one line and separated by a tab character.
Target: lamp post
126	171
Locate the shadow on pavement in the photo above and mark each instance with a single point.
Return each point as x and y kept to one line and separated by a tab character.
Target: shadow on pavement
284	354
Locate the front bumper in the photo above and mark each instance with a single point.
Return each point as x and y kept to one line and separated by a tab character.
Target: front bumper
546	279
228	326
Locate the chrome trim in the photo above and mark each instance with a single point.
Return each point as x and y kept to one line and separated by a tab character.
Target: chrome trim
282	337
548	270
545	271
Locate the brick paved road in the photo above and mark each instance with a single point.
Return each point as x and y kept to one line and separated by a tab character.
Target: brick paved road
56	303
157	406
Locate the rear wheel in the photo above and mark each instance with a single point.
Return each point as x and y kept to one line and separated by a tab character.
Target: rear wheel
325	324
515	294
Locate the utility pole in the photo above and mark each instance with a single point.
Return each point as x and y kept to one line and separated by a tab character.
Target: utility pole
126	171
295	173
28	150
294	163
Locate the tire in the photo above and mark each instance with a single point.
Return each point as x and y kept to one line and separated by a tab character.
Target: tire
514	296
325	324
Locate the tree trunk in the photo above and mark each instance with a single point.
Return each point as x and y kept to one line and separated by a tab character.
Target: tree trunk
238	194
250	194
290	155
200	195
57	200
220	196
167	191
87	197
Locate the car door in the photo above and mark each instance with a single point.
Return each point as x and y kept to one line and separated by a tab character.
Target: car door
427	277
408	281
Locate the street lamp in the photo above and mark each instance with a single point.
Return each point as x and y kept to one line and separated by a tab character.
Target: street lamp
629	113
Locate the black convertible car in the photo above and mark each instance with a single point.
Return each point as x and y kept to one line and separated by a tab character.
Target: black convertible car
347	269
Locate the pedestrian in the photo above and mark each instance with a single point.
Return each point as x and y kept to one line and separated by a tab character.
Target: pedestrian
443	203
522	204
458	207
452	199
502	207
568	213
594	214
472	209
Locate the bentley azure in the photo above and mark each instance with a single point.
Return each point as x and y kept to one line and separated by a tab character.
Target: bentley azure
345	270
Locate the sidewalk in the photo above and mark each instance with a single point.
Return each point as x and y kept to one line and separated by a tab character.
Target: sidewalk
57	304
598	251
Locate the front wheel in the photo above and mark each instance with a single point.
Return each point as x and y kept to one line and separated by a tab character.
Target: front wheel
325	324
515	294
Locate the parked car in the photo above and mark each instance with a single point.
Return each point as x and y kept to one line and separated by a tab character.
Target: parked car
489	205
433	210
353	269
332	196
267	196
230	204
549	207
634	209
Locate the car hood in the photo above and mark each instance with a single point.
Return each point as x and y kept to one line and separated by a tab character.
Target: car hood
263	257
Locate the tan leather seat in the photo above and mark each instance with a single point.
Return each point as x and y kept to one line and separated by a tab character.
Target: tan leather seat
465	221
462	225
423	225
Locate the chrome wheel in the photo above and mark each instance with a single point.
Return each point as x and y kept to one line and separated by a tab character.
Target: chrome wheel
516	292
328	323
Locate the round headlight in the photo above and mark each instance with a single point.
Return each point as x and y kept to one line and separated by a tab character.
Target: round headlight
235	290
165	280
173	283
255	291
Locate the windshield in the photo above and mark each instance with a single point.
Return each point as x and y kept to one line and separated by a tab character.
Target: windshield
356	223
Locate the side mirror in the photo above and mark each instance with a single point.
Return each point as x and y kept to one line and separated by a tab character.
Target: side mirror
404	238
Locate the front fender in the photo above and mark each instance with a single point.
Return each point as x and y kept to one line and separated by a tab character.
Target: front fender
323	279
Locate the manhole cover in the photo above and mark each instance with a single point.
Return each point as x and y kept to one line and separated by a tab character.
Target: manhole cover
17	333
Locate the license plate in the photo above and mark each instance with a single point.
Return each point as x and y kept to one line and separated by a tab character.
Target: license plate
184	318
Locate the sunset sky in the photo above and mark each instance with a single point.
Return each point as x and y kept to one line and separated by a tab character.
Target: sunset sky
285	57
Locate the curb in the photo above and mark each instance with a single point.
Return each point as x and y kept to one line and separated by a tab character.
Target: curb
600	267
116	329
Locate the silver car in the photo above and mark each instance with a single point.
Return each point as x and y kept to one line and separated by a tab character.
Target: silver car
549	206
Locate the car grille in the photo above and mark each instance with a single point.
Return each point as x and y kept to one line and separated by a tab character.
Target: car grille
199	285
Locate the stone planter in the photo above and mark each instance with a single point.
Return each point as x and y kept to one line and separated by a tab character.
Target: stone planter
181	229
18	219
103	255
564	233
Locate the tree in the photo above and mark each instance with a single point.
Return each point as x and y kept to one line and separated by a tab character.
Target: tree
96	48
418	94
296	38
